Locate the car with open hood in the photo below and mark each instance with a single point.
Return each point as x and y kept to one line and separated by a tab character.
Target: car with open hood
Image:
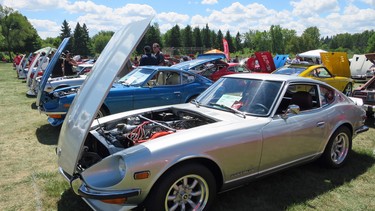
212	66
62	82
142	87
367	93
242	127
324	72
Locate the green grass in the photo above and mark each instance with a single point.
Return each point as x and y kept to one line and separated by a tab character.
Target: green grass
30	181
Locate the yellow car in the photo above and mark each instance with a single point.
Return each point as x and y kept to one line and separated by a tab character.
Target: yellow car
334	70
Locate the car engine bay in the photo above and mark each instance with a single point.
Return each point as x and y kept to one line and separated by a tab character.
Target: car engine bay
114	136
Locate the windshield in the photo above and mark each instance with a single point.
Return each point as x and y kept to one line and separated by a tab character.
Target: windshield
290	70
251	96
137	77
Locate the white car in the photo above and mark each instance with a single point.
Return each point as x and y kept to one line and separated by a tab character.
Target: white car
62	82
177	157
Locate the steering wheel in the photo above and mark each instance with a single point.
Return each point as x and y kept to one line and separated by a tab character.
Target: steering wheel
260	108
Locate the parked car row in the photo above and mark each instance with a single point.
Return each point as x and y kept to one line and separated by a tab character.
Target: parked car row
167	138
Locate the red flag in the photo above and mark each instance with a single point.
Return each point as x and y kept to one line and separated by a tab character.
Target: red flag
226	49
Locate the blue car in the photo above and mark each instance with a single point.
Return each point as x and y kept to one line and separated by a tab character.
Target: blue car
143	87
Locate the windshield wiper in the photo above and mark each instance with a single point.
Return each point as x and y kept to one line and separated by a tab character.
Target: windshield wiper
196	103
235	111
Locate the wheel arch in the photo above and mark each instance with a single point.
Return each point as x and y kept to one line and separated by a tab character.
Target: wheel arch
190	98
209	164
105	108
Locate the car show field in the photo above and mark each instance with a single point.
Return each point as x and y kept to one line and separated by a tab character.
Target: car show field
30	180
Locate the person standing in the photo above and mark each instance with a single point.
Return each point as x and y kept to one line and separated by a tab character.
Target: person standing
17	60
57	70
68	64
147	58
158	54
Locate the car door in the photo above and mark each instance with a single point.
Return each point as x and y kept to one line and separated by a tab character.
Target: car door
295	136
167	89
323	74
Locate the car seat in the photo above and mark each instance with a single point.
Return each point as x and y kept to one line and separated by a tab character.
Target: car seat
303	100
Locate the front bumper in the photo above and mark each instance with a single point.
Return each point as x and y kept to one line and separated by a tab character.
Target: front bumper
93	197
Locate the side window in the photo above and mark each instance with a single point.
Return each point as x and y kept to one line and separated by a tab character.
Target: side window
303	95
172	78
327	95
187	78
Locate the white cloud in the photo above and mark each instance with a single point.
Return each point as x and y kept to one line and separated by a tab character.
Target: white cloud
305	8
330	16
209	2
172	17
45	28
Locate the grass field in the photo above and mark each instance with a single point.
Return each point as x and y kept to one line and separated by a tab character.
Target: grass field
30	181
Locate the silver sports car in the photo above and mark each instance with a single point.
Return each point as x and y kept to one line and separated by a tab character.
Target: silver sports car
178	157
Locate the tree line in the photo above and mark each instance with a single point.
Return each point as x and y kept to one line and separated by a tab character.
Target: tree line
17	35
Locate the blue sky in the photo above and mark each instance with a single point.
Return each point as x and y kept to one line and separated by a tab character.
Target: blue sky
330	16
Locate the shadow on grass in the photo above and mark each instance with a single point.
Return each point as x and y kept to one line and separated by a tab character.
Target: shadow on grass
33	106
370	122
70	201
294	186
275	192
47	134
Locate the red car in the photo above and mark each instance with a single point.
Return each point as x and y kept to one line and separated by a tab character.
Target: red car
367	93
212	66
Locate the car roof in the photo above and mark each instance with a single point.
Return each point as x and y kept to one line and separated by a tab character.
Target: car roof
273	77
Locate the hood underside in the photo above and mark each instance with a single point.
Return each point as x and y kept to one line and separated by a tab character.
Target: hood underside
94	90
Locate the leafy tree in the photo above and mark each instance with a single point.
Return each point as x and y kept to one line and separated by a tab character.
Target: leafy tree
14	25
238	42
229	39
371	44
187	36
291	41
219	41
213	37
277	39
206	37
100	40
197	37
310	39
66	32
262	41
151	36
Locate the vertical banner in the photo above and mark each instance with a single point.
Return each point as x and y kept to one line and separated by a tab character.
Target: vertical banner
226	49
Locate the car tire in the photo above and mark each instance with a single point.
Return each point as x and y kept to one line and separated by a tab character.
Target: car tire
186	187
101	113
338	148
191	98
348	89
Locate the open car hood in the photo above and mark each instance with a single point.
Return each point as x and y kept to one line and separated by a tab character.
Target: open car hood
371	57
93	91
188	65
49	70
337	63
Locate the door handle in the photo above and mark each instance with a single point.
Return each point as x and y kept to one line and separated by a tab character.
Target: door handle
320	124
177	92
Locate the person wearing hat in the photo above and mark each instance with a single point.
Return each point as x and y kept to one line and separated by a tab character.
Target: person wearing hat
68	64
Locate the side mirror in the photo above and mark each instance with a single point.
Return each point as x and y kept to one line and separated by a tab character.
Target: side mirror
292	109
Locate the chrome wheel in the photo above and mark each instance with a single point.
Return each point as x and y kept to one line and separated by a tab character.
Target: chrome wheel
190	192
101	113
340	148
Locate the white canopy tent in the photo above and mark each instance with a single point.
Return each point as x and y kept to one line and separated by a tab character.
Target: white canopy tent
311	54
314	55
